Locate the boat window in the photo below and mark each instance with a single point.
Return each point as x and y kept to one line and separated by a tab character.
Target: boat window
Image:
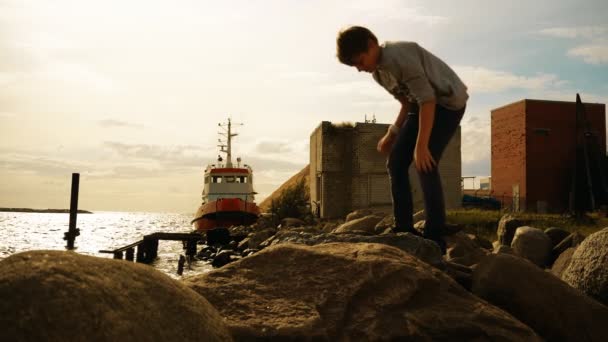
230	179
242	179
217	179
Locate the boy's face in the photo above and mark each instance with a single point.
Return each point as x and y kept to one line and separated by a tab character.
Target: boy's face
368	60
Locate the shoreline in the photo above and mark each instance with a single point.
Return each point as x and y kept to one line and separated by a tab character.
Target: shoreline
42	211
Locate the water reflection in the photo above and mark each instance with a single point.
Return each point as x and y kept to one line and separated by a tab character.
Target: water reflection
103	230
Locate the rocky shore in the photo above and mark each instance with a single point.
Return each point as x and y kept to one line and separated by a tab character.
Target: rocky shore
348	280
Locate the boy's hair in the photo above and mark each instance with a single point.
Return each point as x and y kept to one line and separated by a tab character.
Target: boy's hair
353	41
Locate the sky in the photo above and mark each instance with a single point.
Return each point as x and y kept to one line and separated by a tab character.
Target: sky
129	93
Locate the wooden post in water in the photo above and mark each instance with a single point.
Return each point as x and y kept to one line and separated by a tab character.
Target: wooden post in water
73	232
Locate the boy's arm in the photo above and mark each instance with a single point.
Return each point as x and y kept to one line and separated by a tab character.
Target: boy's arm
422	156
386	142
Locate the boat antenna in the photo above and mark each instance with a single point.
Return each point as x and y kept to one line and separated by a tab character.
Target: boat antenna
226	147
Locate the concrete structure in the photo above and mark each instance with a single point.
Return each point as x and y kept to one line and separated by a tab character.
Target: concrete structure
533	152
348	173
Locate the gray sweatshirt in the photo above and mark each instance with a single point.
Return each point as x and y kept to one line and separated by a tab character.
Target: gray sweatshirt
409	71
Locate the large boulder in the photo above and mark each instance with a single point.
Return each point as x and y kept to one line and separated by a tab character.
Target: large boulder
507	226
364	224
290	222
423	249
253	240
64	296
588	270
349	292
532	244
553	309
388	222
463	249
357	214
562	262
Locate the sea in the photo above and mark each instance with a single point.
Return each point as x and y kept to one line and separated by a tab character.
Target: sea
21	232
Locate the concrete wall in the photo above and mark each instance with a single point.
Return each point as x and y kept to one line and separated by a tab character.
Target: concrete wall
347	173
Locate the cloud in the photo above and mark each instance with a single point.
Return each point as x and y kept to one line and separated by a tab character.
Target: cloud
397	10
484	80
592	54
110	123
7	115
181	155
273	147
594	50
42	165
586	32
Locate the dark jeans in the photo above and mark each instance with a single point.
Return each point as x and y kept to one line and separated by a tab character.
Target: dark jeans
444	125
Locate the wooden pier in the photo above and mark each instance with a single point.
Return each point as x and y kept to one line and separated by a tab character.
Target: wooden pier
146	250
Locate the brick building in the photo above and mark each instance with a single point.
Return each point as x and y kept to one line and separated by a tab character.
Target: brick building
533	152
347	173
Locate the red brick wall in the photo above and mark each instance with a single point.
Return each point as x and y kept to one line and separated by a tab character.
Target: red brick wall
508	150
550	132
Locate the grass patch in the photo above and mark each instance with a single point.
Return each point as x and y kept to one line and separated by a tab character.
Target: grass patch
484	223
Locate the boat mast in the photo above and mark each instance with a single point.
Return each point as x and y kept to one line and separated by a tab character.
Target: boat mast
228	147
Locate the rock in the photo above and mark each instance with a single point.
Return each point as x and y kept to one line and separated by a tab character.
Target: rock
483	243
330	226
562	262
532	244
349	292
222	258
357	214
238	233
249	252
232	244
364	224
556	235
256	238
588	270
206	252
506	229
419	226
423	249
461	274
462	249
573	240
388	222
419	216
553	309
503	249
64	296
290	222
243	245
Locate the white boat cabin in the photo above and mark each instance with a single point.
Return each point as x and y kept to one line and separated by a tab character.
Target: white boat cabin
223	182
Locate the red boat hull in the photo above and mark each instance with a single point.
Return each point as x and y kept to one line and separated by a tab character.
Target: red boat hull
225	212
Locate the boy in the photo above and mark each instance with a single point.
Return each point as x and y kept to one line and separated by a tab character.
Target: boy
433	101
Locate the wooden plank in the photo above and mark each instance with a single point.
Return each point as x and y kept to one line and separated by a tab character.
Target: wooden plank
121	249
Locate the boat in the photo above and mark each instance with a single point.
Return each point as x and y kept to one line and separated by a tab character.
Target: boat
228	197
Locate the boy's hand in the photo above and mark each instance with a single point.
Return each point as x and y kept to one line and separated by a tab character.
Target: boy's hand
423	159
386	143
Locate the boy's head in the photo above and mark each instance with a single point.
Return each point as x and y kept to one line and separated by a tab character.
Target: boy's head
358	47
